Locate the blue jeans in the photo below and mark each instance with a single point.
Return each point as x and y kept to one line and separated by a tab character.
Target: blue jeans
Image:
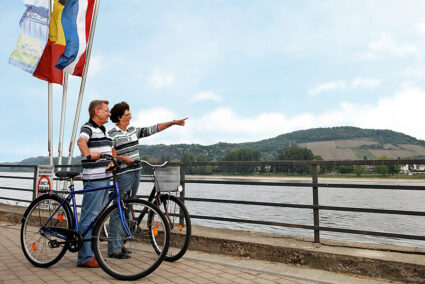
93	202
128	184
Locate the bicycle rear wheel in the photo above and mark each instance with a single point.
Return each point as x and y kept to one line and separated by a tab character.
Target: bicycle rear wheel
143	259
42	247
180	226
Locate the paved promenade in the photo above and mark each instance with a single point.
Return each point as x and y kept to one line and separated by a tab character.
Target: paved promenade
195	267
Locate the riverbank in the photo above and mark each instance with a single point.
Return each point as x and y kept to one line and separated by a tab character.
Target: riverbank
308	178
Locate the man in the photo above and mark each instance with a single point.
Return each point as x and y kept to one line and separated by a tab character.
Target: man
93	141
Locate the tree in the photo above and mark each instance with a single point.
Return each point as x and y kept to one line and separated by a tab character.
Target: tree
382	169
201	169
394	169
295	153
359	170
387	169
345	169
242	154
145	157
188	158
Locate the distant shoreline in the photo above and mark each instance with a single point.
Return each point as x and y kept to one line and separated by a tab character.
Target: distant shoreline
306	178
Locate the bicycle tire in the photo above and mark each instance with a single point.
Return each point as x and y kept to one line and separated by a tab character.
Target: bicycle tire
180	229
36	245
143	258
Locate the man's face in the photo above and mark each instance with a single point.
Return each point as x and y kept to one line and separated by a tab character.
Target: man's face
103	113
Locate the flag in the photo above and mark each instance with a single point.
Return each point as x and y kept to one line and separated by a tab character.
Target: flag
76	21
34	34
46	69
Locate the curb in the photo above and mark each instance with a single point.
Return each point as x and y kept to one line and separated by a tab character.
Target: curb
374	268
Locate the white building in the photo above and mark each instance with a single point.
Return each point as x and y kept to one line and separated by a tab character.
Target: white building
405	169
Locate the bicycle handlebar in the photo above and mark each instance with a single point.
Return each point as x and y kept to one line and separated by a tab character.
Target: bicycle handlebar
136	163
109	158
102	156
153	166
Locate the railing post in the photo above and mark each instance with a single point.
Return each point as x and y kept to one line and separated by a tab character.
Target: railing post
34	185
315	203
182	193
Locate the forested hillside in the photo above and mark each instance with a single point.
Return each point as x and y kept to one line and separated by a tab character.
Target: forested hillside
348	142
335	143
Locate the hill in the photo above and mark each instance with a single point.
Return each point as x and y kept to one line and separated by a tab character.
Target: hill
334	143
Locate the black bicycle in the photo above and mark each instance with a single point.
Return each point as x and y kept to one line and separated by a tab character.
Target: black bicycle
167	185
50	228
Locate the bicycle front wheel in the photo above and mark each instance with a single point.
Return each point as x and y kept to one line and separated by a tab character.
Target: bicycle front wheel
130	257
41	245
180	226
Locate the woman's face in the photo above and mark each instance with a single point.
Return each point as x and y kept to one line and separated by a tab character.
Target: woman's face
126	117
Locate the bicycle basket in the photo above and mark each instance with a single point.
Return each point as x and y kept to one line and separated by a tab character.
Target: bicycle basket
168	179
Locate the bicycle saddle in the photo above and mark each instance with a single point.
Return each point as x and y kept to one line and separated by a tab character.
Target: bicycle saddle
66	174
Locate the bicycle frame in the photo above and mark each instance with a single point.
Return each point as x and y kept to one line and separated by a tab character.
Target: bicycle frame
71	196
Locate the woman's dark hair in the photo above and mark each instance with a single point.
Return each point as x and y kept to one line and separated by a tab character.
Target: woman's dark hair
118	110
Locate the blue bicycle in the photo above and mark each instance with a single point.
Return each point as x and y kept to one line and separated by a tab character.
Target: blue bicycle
50	228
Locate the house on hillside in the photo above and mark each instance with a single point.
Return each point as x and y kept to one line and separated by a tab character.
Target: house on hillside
415	168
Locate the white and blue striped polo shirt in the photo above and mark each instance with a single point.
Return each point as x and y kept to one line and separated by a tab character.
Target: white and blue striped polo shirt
97	141
126	143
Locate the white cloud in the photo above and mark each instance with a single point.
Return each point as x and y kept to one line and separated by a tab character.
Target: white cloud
401	112
343	85
224	121
365	83
152	116
206	96
161	79
330	86
173	135
421	28
386	45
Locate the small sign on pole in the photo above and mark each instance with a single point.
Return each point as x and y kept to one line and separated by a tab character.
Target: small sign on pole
44	183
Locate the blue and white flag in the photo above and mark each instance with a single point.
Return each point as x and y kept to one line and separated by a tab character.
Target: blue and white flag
34	35
76	22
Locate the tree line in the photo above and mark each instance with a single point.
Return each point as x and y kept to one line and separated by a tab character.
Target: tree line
292	153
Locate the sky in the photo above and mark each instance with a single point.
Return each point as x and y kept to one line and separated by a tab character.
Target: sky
240	70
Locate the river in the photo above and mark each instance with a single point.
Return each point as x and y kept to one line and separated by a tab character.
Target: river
364	198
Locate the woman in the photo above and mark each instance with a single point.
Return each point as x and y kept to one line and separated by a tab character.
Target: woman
125	143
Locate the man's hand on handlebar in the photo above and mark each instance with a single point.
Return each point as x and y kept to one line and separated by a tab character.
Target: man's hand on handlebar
93	156
96	156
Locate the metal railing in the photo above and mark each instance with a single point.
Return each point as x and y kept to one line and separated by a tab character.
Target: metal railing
314	184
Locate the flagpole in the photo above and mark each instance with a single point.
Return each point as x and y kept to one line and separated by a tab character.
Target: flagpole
50	108
50	123
64	93
62	125
83	80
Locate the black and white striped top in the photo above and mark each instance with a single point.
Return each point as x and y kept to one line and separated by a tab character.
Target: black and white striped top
97	141
126	143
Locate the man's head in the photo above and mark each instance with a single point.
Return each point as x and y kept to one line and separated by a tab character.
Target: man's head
99	111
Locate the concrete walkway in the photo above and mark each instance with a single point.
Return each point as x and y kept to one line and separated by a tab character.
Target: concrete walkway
194	267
